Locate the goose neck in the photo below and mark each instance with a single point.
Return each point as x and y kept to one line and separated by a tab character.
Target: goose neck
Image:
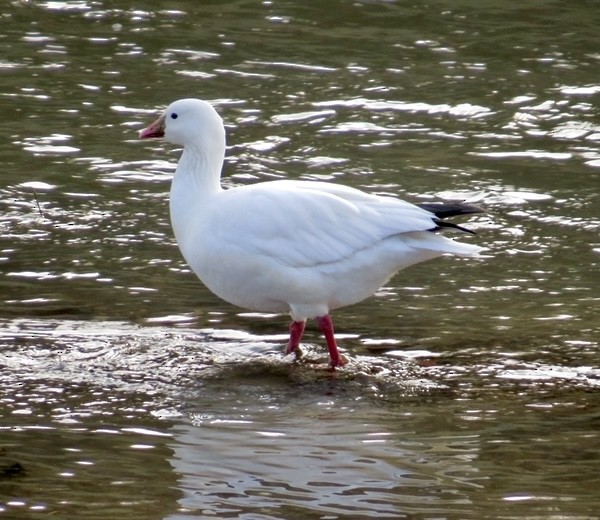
200	169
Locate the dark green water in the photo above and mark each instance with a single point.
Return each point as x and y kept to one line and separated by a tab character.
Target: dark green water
127	390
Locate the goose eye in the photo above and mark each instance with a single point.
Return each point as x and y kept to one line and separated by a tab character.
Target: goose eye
174	116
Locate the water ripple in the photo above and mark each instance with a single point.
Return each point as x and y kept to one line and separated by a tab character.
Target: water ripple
467	110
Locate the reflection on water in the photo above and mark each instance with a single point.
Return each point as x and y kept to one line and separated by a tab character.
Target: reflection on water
471	388
364	472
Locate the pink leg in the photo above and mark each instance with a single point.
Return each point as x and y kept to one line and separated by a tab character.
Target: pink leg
296	331
326	325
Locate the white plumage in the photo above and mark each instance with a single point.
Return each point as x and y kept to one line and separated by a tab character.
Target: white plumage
298	247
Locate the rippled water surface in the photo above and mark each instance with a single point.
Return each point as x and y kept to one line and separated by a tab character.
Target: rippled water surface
127	390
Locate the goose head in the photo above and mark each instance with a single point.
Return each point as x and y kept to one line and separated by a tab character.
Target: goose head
189	123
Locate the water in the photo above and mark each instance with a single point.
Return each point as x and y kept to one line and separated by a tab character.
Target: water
128	390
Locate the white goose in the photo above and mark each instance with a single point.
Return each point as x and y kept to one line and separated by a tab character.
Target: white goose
297	247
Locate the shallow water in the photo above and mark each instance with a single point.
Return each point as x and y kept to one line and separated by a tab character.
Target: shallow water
128	390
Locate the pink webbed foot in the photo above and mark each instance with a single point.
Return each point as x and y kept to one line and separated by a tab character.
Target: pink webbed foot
296	331
335	358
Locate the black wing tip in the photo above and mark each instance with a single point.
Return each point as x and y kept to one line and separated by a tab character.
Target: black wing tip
450	209
441	225
443	210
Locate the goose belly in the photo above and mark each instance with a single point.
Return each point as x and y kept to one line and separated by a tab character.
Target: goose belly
262	283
